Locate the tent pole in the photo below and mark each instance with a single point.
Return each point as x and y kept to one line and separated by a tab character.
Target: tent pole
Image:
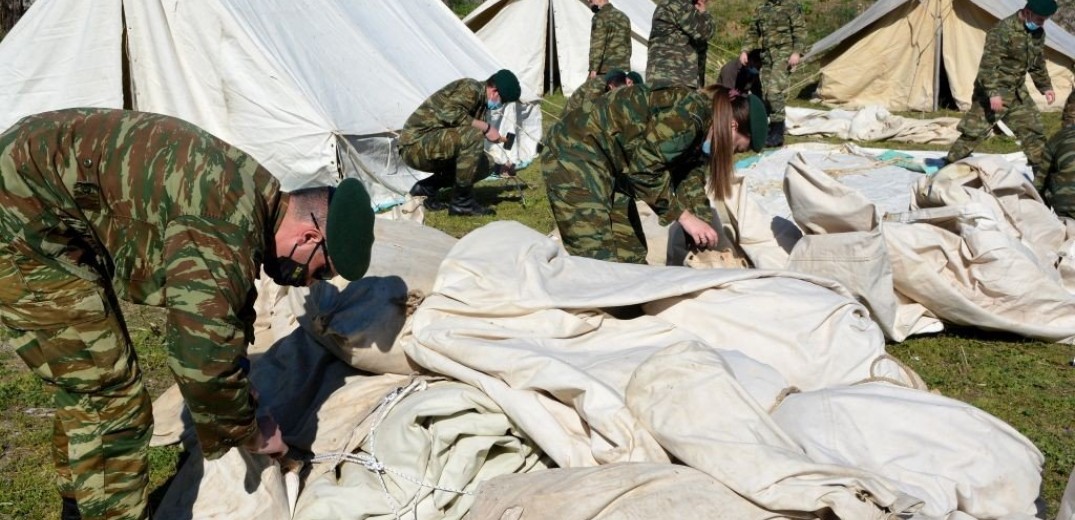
937	56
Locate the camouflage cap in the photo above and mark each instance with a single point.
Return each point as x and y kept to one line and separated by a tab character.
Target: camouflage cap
616	76
349	233
759	123
1042	7
507	85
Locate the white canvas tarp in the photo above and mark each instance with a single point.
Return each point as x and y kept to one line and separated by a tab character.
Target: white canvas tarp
312	89
570	362
901	41
524	34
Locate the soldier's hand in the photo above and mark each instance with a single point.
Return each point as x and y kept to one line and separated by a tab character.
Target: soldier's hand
493	134
793	60
1050	96
269	439
743	58
701	232
996	103
700	5
593	74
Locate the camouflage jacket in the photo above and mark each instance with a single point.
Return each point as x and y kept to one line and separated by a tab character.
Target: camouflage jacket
1010	53
610	40
779	28
1056	181
651	133
183	219
583	96
454	105
678	40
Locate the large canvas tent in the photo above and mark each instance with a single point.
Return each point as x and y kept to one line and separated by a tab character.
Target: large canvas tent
313	89
547	42
921	54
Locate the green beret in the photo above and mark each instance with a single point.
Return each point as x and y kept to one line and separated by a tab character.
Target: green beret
615	75
759	123
507	84
349	233
635	77
1042	7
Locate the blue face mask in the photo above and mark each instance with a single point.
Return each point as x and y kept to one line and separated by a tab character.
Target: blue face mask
707	147
493	105
1031	26
753	71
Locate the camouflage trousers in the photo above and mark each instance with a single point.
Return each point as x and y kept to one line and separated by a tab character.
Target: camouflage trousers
595	219
68	329
1020	114
1068	115
775	80
455	152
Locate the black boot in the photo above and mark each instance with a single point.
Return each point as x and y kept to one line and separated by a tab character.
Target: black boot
428	188
775	139
70	510
463	203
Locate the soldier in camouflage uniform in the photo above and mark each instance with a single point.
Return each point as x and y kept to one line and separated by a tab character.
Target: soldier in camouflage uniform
446	135
1056	179
1068	116
592	89
610	39
780	33
678	42
1013	48
98	205
643	142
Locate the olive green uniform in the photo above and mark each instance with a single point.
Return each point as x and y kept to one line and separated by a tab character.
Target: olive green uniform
635	143
780	31
98	205
438	137
1010	53
610	40
678	42
1056	180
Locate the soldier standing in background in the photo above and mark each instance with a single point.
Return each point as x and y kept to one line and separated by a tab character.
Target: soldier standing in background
780	32
98	205
1055	180
678	42
446	135
1014	47
610	39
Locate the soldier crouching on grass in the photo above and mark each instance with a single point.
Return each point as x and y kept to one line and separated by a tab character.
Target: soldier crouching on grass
1014	47
446	133
98	205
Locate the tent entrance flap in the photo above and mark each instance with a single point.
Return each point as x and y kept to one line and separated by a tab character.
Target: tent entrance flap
552	61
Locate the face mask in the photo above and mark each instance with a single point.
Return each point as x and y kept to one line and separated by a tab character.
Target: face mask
752	71
707	147
493	105
1031	26
595	9
285	270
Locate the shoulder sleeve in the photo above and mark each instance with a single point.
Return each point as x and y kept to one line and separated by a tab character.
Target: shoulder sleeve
996	42
1038	73
209	295
598	41
460	103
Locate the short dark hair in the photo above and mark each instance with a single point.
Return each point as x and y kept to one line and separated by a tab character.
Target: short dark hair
312	201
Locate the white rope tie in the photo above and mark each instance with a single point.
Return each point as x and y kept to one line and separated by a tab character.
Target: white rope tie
370	461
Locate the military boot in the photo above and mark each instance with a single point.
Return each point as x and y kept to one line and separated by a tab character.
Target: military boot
463	203
428	188
775	139
69	511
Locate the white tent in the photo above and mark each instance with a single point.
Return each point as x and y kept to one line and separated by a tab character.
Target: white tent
547	42
313	89
913	54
